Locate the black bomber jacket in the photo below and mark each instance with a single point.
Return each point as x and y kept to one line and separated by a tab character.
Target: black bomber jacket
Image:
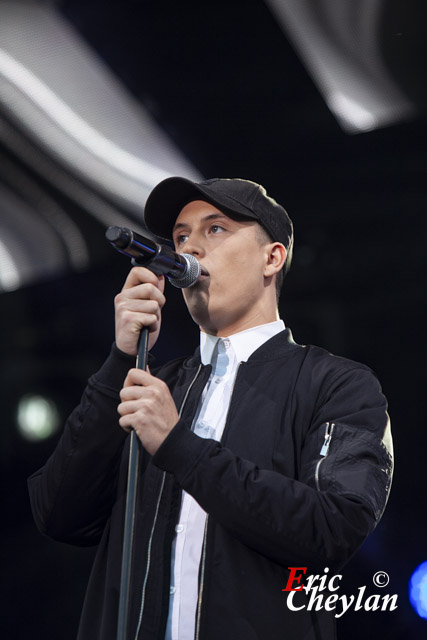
300	478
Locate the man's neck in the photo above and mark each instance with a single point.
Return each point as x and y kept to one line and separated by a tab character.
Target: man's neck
239	326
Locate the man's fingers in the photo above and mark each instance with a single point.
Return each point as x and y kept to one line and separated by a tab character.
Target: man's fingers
138	305
137	314
141	275
126	423
142	378
144	292
148	407
128	407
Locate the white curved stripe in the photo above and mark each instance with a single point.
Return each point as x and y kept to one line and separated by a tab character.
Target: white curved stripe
9	274
77	128
338	44
347	108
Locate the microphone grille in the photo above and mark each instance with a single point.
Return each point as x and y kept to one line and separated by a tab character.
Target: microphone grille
191	273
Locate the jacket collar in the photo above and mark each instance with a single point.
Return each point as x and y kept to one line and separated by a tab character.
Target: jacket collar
280	345
244	343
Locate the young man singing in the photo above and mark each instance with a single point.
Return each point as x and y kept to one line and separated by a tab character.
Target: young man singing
258	454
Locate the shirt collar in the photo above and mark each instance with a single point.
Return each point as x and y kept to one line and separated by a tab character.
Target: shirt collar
244	343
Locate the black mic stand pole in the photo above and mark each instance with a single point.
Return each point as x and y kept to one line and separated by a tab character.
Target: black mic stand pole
121	238
182	271
133	470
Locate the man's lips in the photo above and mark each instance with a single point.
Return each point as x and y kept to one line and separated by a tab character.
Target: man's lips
203	271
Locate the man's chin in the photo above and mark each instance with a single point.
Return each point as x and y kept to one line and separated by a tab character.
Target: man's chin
205	320
197	299
197	294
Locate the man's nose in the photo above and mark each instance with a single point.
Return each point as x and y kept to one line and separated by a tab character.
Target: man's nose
195	246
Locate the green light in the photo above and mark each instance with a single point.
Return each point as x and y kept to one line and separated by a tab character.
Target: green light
38	418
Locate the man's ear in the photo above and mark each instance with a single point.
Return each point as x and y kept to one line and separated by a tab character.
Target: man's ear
275	259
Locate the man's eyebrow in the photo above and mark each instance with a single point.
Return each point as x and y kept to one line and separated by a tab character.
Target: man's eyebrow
211	216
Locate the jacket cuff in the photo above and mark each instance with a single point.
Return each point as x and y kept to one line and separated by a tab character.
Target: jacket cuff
115	368
181	450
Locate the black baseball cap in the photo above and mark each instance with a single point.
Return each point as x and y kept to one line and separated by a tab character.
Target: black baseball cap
232	196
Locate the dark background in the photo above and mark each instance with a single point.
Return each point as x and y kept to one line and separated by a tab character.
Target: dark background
225	84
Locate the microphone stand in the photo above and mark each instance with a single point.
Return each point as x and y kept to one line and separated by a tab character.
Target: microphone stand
128	534
183	271
142	251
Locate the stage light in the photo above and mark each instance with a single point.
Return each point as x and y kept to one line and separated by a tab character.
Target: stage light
418	590
37	417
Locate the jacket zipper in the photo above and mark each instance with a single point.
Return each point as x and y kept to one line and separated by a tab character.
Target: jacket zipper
147	570
202	581
203	558
324	450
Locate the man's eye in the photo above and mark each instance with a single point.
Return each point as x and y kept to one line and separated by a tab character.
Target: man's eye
181	239
216	228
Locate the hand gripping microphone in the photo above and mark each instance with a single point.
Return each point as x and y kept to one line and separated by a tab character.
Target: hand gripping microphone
182	269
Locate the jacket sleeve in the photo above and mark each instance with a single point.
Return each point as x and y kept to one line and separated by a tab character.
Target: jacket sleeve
319	519
72	495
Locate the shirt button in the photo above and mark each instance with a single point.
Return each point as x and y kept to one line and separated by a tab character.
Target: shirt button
179	528
172	591
227	343
217	380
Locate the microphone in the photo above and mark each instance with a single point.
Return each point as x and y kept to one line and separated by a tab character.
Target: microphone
181	269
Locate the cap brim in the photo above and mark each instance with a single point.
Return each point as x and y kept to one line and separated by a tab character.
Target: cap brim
172	194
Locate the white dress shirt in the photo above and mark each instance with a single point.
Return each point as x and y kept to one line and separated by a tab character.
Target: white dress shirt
225	354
